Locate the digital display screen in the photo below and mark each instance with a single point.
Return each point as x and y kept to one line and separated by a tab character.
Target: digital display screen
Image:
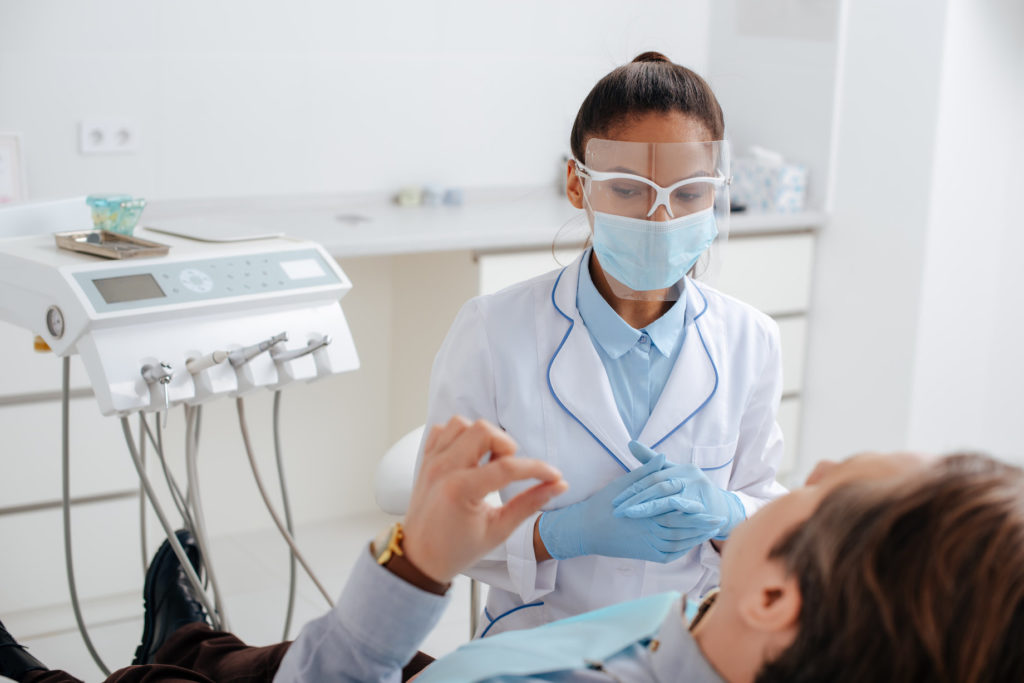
302	269
116	290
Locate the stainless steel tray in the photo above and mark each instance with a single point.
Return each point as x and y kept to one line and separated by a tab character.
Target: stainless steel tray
109	244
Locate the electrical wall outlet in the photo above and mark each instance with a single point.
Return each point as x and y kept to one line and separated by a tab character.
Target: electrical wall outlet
107	136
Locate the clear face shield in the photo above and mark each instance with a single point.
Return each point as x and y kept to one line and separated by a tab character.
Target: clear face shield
657	211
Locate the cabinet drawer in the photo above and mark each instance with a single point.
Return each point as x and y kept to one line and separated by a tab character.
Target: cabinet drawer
498	271
793	333
789	422
771	273
105	540
30	455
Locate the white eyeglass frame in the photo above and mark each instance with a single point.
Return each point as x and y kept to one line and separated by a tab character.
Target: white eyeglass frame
664	194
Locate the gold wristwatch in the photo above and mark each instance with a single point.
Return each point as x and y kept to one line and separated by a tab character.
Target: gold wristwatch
388	544
387	550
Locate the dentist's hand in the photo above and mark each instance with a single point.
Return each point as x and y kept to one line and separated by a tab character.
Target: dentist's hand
677	487
449	526
589	527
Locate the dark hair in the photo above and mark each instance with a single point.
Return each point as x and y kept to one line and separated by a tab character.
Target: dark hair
918	584
650	83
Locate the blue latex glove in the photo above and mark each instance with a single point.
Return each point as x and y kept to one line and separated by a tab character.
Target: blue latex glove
589	527
676	487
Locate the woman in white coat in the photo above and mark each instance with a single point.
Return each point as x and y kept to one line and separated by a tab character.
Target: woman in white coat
596	366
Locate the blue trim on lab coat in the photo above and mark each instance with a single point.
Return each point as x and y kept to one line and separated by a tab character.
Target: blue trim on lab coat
572	323
496	619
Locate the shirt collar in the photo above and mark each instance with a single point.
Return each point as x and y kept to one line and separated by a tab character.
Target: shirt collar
677	657
612	332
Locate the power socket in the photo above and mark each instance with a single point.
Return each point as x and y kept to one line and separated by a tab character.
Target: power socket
107	136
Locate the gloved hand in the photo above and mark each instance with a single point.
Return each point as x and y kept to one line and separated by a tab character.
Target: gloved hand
589	527
677	487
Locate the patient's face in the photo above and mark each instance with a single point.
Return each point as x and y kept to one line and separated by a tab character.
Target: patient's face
750	543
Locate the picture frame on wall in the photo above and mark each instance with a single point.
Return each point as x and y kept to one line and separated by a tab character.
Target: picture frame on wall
13	186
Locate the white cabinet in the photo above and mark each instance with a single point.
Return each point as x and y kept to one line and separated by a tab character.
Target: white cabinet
770	272
500	270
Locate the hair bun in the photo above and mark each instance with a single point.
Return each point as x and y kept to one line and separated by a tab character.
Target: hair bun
652	57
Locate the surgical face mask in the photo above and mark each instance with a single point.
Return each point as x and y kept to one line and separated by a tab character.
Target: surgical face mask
649	255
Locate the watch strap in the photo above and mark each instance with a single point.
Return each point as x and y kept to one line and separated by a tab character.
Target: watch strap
400	566
392	557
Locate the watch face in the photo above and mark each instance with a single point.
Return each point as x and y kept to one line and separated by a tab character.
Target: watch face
381	547
380	543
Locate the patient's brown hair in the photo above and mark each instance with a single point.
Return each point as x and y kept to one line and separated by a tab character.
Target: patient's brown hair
924	582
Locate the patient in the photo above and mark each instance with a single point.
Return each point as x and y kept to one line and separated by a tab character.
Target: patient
882	568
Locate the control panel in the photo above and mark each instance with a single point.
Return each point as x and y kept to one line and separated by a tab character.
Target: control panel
161	283
206	321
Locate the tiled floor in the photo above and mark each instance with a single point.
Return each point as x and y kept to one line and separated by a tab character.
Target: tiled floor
252	570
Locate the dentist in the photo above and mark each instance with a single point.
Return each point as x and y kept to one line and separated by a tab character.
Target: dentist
592	366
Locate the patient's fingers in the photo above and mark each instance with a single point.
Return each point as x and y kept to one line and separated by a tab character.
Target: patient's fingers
431	439
478	439
513	513
500	472
442	436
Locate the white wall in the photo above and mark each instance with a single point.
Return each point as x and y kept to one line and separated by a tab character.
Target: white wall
968	369
773	69
870	258
247	97
916	325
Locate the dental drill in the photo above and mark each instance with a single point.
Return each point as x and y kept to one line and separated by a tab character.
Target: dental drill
311	346
197	365
240	357
161	374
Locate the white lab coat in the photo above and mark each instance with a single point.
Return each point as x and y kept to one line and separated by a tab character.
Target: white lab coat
522	359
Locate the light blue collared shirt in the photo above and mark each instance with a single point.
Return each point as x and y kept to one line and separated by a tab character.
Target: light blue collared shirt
637	362
379	620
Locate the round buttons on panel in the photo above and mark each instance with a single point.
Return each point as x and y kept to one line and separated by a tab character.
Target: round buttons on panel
196	280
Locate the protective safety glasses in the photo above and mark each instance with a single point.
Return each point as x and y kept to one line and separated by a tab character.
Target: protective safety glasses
627	194
633	179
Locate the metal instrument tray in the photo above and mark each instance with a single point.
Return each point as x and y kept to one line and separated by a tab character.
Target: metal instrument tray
109	244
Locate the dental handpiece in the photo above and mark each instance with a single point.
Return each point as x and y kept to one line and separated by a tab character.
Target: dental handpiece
197	365
311	346
160	374
240	357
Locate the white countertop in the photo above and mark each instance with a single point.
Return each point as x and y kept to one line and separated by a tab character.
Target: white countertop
370	224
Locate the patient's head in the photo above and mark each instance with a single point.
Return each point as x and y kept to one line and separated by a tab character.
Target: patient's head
915	580
914	573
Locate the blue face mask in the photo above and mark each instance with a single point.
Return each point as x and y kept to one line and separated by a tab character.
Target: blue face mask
646	255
